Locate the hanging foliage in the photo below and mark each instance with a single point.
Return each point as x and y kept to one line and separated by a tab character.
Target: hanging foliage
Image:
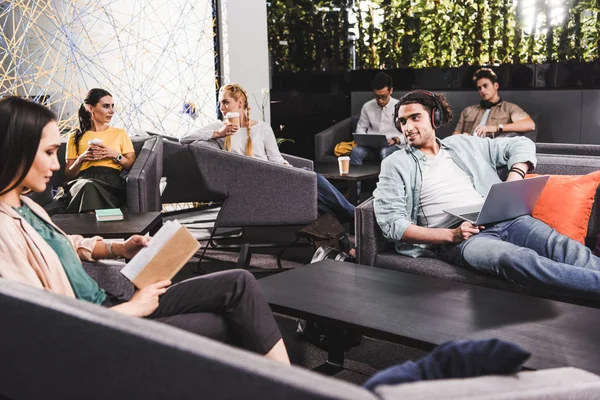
339	35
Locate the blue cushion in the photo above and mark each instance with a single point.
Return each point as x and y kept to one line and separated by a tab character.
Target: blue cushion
456	359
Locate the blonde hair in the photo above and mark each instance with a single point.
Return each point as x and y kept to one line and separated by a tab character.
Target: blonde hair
236	92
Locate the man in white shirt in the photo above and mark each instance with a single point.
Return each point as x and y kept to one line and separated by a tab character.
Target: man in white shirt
376	117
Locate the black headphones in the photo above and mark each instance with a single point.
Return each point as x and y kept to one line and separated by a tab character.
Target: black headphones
437	113
488	104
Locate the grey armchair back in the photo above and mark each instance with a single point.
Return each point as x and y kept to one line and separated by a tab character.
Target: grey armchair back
326	140
142	188
62	348
255	192
184	184
568	149
143	194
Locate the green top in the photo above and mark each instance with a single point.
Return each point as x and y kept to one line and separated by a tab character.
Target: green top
84	287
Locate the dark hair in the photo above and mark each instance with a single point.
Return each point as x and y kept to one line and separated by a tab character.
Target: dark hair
382	80
424	98
485	73
85	117
21	125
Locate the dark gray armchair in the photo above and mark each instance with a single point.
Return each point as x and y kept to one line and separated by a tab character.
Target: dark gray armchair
373	249
143	179
326	140
255	192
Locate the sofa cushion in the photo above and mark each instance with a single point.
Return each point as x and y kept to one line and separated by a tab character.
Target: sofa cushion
566	203
456	359
557	383
438	268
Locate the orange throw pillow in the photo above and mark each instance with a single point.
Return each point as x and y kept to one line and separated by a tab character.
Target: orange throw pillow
566	203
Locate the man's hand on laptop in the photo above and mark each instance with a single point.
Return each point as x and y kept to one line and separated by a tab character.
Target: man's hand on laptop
465	231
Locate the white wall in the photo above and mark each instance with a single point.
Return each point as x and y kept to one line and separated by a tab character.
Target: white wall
151	55
245	50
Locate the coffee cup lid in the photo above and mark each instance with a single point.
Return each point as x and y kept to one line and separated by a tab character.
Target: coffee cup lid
232	114
343	158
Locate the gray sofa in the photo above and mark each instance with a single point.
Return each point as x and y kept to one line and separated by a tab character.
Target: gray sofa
373	249
143	179
326	140
568	149
58	348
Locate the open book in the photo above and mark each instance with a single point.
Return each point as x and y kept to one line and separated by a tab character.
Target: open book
168	251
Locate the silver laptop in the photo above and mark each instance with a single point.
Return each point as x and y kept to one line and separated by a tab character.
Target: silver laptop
370	140
506	200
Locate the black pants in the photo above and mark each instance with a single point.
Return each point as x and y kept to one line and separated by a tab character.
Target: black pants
228	306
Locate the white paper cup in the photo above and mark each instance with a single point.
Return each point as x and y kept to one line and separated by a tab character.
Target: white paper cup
344	164
233	118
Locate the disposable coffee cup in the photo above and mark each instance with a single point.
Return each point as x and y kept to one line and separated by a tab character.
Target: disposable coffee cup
344	164
233	118
95	141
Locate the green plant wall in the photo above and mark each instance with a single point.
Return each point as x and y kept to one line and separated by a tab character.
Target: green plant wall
318	35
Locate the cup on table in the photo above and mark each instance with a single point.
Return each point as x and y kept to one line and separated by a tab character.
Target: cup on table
344	164
233	118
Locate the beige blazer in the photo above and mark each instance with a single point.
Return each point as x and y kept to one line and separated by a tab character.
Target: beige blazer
26	257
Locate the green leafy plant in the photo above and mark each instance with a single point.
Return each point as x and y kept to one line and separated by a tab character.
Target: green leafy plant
322	35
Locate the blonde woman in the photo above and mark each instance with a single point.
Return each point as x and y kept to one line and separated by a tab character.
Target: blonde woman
256	139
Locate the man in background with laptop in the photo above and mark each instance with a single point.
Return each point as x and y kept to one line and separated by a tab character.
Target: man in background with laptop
429	176
376	118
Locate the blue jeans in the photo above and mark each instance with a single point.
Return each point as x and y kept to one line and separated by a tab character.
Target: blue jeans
360	154
330	200
527	251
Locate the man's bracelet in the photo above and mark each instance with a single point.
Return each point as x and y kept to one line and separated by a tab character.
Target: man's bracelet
109	250
518	171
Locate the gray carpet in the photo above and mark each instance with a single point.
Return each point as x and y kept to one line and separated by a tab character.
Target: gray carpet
361	362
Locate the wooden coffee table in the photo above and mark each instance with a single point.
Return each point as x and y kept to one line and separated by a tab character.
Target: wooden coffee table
87	226
423	312
357	174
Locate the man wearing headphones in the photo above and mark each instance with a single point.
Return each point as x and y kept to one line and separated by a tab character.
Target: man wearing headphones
493	117
429	175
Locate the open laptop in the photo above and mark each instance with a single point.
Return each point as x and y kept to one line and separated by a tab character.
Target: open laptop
370	140
506	200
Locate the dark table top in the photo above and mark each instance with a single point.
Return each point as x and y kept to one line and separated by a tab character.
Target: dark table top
357	172
424	312
86	224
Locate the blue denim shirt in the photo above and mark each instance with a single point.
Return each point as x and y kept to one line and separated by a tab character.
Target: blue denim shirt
399	189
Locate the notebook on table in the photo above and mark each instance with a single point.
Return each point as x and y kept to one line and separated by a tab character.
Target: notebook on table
506	200
109	214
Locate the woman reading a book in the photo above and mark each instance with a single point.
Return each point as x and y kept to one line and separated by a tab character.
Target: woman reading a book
34	251
96	156
242	135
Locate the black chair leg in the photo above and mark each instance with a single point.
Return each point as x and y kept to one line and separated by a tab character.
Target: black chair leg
244	257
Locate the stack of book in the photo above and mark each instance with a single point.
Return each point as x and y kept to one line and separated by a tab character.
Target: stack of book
109	214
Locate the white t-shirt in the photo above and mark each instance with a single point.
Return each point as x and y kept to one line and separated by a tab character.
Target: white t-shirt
444	185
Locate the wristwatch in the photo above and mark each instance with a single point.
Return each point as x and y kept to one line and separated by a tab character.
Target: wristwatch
118	158
500	128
